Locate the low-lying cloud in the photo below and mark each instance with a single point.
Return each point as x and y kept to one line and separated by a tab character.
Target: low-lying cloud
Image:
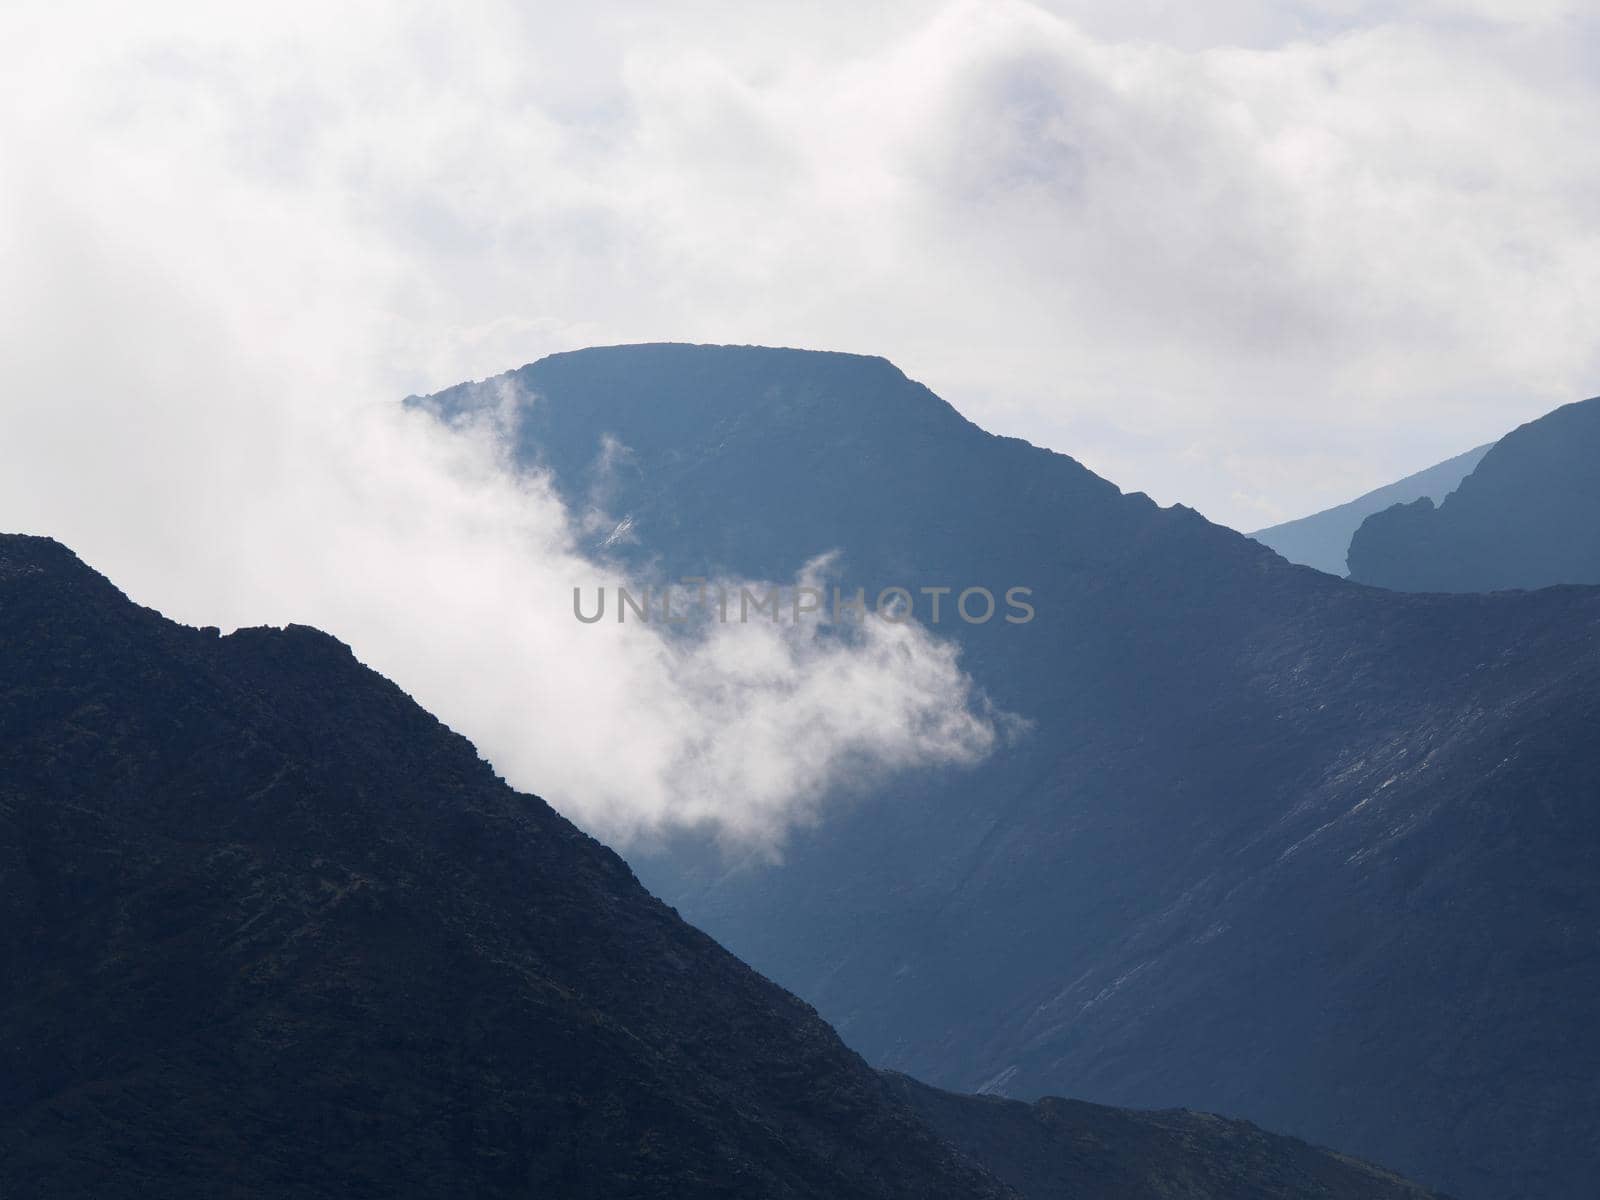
200	397
223	492
742	729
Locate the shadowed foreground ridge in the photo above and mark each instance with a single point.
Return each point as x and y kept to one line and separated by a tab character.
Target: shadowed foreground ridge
269	929
1058	1149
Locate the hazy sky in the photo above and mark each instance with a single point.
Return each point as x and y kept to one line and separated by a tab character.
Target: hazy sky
1254	257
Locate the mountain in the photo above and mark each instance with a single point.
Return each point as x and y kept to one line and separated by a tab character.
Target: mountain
1526	517
269	929
1060	1149
1323	539
1316	855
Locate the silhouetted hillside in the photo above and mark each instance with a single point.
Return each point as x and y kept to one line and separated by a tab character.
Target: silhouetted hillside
267	929
1058	1149
1322	540
1277	845
1528	516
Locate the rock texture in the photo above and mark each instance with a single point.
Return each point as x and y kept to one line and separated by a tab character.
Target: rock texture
1312	854
1524	518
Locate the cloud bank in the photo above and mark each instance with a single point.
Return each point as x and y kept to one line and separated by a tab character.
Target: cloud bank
1257	258
1252	256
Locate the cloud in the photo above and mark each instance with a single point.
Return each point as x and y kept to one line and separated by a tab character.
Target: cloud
1251	256
1257	262
201	397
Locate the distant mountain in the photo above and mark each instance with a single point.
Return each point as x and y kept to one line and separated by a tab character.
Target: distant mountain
1317	855
1322	540
1528	516
267	929
1061	1149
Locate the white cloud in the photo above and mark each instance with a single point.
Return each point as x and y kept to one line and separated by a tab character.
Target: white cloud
203	355
1252	256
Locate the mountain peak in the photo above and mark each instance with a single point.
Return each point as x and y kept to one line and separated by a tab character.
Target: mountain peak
1523	518
22	553
811	445
1247	793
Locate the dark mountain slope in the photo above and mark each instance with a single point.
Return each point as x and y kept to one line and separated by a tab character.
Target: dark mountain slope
1280	846
1322	540
1066	1150
1528	516
272	930
269	929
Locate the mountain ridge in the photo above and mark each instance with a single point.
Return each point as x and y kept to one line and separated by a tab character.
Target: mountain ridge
1055	1148
261	934
1524	517
1322	539
1266	815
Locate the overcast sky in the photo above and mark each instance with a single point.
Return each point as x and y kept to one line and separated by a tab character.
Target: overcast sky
1254	257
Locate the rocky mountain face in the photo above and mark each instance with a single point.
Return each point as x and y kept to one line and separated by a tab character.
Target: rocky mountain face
1057	1149
1322	540
269	929
1275	845
1524	517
